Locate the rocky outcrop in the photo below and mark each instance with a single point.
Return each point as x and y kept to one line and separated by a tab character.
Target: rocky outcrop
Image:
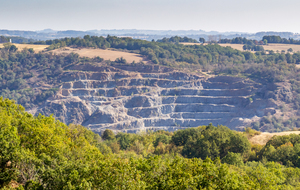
146	97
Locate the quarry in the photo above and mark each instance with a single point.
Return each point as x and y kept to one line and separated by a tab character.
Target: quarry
134	98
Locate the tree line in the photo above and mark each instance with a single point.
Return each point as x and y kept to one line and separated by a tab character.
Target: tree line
177	39
4	39
265	40
240	40
278	39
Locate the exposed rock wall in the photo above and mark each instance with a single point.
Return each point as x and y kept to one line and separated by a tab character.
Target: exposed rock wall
135	98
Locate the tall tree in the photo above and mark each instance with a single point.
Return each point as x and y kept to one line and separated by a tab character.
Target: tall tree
202	40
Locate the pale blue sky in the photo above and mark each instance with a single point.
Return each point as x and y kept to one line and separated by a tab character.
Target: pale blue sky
208	15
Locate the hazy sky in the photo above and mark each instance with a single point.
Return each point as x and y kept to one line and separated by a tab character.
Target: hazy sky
208	15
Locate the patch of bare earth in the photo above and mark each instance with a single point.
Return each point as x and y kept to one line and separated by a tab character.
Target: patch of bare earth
263	138
106	54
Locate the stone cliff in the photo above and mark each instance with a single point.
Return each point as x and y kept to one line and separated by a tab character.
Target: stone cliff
133	98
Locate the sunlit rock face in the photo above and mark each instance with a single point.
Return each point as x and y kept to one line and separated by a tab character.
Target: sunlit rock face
145	97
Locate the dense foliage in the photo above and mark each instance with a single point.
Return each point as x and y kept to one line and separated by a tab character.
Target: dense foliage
210	142
15	39
43	153
4	39
253	47
177	39
175	54
30	78
240	40
278	39
264	41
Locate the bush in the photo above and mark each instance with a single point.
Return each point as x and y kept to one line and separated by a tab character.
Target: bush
108	135
233	159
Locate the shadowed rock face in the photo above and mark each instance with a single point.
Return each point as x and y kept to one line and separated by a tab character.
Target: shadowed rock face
136	98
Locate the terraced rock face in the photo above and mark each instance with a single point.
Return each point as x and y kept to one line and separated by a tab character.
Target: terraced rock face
142	97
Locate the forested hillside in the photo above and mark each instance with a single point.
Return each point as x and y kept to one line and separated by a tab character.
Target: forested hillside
166	52
43	153
31	78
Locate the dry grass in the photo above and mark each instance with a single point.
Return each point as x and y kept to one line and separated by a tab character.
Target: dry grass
190	43
280	47
274	47
263	138
36	48
234	46
107	54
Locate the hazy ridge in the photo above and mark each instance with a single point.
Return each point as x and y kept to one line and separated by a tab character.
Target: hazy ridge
141	34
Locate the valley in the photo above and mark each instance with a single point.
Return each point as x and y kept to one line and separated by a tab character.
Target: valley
137	95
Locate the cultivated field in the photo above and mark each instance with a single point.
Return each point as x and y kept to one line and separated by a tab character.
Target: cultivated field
36	48
263	138
274	47
107	54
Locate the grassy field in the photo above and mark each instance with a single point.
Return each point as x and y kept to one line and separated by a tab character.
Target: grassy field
107	54
36	48
263	138
274	47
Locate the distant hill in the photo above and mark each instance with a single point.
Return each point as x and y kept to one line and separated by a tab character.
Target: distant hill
141	34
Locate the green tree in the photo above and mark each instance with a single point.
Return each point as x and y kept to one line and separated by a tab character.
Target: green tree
181	137
13	48
233	159
215	142
124	140
9	148
265	42
201	40
108	135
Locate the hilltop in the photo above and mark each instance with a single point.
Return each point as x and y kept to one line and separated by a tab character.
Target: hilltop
49	34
